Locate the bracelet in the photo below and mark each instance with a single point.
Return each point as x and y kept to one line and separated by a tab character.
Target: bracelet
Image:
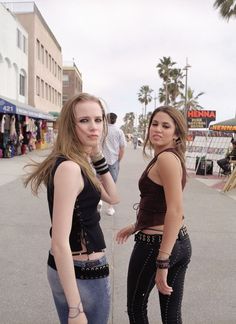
165	252
98	156
163	264
76	310
101	166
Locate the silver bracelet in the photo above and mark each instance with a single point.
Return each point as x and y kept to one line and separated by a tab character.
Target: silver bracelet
75	311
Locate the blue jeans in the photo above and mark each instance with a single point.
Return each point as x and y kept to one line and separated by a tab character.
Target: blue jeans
114	170
141	278
94	293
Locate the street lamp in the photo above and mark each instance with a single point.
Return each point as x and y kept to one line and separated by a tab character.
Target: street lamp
187	66
155	100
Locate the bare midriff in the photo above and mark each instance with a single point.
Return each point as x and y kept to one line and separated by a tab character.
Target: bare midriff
91	256
85	257
155	229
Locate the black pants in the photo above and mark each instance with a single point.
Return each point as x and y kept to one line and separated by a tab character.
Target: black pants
141	278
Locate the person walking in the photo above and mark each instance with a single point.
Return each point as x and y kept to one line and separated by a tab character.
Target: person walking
162	247
77	177
113	150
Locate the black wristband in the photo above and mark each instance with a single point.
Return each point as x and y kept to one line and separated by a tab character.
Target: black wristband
101	166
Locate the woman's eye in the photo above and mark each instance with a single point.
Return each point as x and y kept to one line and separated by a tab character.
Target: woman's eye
84	120
98	120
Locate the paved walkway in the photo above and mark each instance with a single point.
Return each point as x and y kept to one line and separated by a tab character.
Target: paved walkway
210	216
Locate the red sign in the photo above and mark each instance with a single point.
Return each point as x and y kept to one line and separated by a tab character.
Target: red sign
200	118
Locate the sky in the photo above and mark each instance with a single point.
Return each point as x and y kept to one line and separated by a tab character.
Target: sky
116	44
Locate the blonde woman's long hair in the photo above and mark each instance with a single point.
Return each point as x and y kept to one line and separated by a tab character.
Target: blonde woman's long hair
180	131
67	144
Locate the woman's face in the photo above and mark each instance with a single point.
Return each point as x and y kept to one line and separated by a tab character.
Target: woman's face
89	123
162	131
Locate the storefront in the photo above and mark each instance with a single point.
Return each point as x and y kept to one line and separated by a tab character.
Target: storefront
23	128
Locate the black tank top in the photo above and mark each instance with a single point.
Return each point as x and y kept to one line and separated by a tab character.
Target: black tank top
85	222
152	205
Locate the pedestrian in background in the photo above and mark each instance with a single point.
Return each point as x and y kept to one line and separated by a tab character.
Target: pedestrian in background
135	141
113	149
78	271
224	163
162	248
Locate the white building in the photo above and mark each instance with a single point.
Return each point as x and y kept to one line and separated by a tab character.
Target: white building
13	57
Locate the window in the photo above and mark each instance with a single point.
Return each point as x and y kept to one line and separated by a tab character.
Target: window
50	62
22	85
52	95
52	66
24	44
46	90
55	97
38	49
59	99
46	55
42	54
42	88
37	86
59	73
18	38
49	93
65	77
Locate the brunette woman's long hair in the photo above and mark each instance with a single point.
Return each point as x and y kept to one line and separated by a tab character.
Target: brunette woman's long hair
67	144
180	131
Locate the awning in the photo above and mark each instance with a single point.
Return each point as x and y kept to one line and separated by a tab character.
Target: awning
9	106
228	125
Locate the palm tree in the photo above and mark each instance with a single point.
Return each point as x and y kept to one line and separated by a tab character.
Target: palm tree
191	102
227	8
164	71
176	85
128	126
144	96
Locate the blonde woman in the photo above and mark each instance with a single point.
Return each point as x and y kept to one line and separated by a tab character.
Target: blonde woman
77	177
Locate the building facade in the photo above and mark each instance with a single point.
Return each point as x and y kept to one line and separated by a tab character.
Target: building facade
72	81
13	57
45	58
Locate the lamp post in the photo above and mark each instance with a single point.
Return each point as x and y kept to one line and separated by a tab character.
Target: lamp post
155	100
187	66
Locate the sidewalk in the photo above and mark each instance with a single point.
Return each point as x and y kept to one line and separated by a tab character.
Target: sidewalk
209	296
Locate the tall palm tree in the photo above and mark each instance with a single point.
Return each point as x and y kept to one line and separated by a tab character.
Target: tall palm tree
164	70
227	8
144	96
176	85
128	126
191	102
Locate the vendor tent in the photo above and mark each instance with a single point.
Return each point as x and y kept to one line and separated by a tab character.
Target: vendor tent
228	125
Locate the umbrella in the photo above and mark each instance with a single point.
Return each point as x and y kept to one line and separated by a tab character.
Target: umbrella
228	125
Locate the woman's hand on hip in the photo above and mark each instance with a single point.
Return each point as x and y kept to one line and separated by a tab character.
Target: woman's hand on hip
161	282
124	234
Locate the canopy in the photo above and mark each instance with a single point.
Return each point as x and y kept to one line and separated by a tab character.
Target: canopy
228	125
10	106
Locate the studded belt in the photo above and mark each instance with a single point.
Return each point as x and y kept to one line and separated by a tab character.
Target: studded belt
156	238
88	271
